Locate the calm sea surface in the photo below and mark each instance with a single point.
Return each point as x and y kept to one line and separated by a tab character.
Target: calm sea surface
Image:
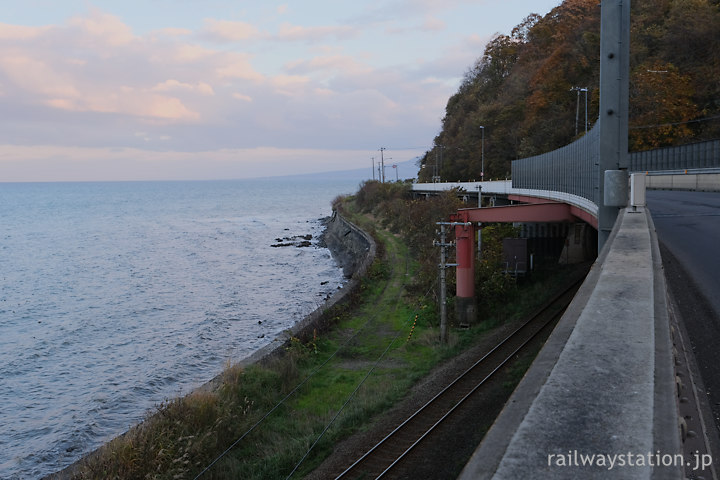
116	296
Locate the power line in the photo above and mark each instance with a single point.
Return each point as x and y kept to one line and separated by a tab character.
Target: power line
674	123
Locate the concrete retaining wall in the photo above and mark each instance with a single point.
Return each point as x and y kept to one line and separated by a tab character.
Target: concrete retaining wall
701	182
355	251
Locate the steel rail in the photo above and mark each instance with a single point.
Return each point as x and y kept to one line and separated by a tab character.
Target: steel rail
376	449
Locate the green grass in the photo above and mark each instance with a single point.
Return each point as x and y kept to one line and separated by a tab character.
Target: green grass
185	435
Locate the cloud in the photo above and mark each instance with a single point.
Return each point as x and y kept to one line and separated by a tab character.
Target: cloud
233	65
429	24
103	27
241	97
293	33
225	30
37	77
200	88
339	63
432	24
20	32
82	89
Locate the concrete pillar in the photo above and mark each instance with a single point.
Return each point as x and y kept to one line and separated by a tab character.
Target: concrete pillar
614	102
466	306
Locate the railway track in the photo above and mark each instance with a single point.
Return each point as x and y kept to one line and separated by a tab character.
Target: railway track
388	454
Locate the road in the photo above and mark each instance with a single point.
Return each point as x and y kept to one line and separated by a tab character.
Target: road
688	228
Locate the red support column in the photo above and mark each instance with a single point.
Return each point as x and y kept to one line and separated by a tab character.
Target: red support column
465	272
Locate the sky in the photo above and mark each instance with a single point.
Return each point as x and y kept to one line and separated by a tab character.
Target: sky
217	89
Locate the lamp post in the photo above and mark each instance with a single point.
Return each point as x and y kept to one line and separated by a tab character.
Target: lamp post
586	121
482	155
577	107
382	163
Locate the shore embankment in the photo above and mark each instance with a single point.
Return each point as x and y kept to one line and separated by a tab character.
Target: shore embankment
353	249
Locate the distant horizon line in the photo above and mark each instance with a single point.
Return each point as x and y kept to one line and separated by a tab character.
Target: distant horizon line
361	172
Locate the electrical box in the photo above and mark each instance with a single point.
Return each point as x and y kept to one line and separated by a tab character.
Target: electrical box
616	188
515	256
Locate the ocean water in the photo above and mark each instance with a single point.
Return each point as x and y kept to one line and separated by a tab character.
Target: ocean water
117	296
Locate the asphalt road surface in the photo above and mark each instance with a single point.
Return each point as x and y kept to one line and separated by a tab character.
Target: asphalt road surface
688	228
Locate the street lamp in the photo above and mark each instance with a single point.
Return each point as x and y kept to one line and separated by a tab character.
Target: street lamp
586	95
482	155
382	163
577	107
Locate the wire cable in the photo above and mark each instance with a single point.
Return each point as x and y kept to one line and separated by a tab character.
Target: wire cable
642	127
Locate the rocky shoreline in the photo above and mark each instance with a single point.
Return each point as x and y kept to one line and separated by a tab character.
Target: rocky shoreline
353	249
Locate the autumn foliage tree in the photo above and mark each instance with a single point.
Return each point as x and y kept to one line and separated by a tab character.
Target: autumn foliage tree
520	89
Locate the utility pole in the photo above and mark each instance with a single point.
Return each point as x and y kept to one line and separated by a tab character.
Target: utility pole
443	300
373	166
382	163
443	244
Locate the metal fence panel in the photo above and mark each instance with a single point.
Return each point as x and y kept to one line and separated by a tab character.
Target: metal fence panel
693	155
571	169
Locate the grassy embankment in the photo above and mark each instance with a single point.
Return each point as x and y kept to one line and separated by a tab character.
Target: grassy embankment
266	417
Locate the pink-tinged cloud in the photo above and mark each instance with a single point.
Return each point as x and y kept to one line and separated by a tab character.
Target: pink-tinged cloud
225	30
433	24
173	85
104	28
237	66
290	85
288	32
241	97
37	77
131	102
20	32
339	63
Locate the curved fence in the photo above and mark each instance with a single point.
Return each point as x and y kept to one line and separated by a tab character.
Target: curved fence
683	157
571	169
574	168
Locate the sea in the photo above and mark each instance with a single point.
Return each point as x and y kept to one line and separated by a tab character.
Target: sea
116	296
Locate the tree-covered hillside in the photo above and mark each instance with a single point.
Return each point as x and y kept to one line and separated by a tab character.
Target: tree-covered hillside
521	89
